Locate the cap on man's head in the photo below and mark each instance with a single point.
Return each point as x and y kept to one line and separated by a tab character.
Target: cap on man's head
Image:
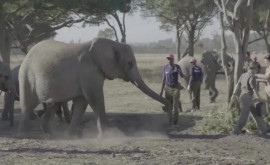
193	60
170	56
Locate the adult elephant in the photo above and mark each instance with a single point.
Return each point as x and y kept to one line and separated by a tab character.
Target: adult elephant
54	72
11	97
209	65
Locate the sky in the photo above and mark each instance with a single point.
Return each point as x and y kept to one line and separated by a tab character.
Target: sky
139	30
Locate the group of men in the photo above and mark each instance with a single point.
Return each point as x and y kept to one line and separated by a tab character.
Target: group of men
170	84
246	85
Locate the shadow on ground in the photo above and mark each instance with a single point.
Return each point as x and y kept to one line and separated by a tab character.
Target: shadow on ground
123	124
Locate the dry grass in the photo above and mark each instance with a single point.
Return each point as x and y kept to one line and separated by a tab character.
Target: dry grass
140	134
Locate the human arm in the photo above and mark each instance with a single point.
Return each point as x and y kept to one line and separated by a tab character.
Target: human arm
262	76
179	70
190	78
162	86
253	85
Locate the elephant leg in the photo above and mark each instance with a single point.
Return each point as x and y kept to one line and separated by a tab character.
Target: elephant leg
97	104
49	114
79	105
27	106
95	98
213	93
8	111
58	112
40	113
66	112
7	98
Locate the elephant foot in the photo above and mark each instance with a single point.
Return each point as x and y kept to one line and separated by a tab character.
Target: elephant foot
40	113
46	127
212	101
24	128
5	117
111	132
68	120
33	116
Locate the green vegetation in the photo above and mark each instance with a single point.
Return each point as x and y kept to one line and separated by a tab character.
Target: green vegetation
222	122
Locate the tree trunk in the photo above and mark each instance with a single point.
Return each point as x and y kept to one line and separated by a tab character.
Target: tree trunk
267	22
239	56
191	41
121	26
113	28
267	44
228	72
178	42
5	42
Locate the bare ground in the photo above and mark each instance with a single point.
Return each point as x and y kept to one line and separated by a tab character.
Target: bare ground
139	133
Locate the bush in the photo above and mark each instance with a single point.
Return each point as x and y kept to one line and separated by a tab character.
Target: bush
222	121
218	122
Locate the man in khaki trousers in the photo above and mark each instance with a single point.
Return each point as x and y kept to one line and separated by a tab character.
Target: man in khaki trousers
172	87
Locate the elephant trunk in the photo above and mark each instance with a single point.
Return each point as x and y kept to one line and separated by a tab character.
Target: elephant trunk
136	79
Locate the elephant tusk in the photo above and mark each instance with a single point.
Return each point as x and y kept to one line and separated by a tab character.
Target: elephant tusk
135	83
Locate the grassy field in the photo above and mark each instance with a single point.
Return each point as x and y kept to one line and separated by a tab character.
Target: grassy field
139	133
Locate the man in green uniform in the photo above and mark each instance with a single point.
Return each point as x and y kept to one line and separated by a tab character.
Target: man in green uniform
247	84
194	85
172	87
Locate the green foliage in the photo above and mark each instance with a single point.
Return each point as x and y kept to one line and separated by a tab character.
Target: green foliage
106	33
29	21
219	122
259	17
222	122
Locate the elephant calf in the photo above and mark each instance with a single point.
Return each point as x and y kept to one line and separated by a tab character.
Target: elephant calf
10	97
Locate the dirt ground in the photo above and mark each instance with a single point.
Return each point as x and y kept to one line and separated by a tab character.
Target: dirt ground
139	133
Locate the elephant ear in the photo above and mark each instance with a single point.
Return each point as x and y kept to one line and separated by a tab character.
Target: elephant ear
104	54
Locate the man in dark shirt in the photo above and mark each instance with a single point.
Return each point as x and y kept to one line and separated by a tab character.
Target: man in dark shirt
258	65
194	85
246	61
172	87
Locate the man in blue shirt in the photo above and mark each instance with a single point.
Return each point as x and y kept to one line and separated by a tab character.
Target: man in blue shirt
172	87
195	82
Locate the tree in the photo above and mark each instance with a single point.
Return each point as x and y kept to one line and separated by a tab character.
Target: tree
25	22
260	22
237	16
106	33
112	10
184	16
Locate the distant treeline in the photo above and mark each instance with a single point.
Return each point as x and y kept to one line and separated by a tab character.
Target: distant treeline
169	45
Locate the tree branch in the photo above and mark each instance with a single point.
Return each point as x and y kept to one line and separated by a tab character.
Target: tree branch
113	28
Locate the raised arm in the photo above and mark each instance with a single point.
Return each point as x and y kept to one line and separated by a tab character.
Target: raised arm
253	85
262	76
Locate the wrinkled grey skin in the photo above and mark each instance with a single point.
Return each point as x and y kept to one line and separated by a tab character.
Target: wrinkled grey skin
54	72
209	65
10	97
229	61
